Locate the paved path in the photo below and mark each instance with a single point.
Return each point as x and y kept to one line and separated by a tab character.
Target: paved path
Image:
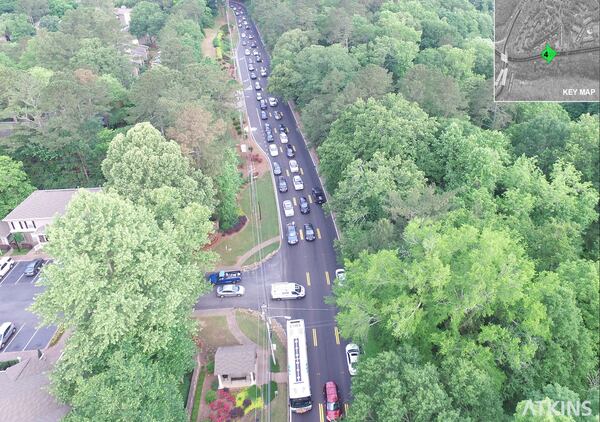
254	250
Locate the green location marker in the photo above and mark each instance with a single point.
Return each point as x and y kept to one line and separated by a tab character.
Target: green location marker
548	53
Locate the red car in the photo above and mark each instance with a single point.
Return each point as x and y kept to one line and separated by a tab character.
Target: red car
333	406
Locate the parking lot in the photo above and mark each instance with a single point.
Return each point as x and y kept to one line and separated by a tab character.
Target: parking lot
17	292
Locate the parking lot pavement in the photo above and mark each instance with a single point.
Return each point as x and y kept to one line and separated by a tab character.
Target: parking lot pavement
17	292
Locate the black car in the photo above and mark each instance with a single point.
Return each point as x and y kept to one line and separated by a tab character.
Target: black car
289	151
34	267
304	205
252	75
277	171
283	128
251	68
283	187
319	195
264	115
263	105
309	232
258	58
253	44
247	26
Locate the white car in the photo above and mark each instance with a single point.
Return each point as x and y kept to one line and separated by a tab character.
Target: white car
340	274
229	290
7	329
294	166
273	150
288	208
243	35
298	183
352	352
283	137
273	101
247	52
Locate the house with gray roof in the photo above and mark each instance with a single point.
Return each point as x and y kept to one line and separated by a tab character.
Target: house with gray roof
32	216
235	366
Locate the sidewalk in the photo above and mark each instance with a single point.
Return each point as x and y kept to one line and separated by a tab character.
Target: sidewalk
29	256
254	250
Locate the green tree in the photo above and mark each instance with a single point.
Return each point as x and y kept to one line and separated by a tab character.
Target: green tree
149	170
59	7
146	19
101	59
180	41
582	148
451	61
50	23
35	9
14	184
15	26
228	184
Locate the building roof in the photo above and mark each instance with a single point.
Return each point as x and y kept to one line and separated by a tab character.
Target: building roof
235	360
44	204
23	393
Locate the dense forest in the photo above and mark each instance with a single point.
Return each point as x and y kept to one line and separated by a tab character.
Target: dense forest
469	229
68	83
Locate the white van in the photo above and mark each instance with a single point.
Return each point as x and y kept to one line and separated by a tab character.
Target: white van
281	291
6	264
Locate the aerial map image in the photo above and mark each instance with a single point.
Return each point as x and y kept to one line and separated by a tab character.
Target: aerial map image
547	50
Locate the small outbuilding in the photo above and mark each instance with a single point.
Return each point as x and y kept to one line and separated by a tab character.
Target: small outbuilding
235	366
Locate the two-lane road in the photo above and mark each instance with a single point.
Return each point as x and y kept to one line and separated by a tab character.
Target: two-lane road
311	264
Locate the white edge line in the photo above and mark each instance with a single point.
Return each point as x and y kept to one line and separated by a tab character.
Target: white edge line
36	331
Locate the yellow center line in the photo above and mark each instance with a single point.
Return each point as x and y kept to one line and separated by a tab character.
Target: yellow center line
307	278
294	148
287	172
337	335
318	231
310	199
294	200
314	331
301	234
346	408
301	171
281	149
321	415
327	278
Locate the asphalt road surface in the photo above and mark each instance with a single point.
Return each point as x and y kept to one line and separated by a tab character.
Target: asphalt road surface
17	292
311	264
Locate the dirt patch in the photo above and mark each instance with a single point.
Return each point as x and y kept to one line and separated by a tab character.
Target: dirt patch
208	49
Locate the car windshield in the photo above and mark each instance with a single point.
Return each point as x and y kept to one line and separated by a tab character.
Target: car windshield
333	405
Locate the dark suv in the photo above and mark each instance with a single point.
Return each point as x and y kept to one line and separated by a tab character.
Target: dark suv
283	187
34	267
292	234
319	195
289	152
304	205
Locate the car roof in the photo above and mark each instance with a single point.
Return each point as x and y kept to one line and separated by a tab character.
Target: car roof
331	389
4	326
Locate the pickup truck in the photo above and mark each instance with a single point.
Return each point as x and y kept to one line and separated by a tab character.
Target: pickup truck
225	277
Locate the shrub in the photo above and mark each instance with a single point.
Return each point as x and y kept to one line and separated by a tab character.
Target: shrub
214	384
253	392
210	367
236	412
246	403
210	397
8	363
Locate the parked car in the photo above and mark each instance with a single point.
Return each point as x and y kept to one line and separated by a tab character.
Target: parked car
288	208
319	195
298	183
352	352
278	115
230	290
263	72
273	150
304	205
225	277
289	151
333	407
263	105
257	86
283	187
6	264
309	232
283	137
273	101
251	67
276	168
264	115
340	274
292	234
294	166
253	75
34	267
7	329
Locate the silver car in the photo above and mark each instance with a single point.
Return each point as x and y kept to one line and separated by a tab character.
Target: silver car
7	329
230	290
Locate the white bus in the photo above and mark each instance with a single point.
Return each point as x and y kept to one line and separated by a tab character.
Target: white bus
298	382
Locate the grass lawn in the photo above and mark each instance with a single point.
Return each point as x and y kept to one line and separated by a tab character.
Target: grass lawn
198	395
255	329
262	253
231	248
279	409
214	332
16	252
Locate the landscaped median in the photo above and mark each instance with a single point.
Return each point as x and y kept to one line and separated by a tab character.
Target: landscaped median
231	248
